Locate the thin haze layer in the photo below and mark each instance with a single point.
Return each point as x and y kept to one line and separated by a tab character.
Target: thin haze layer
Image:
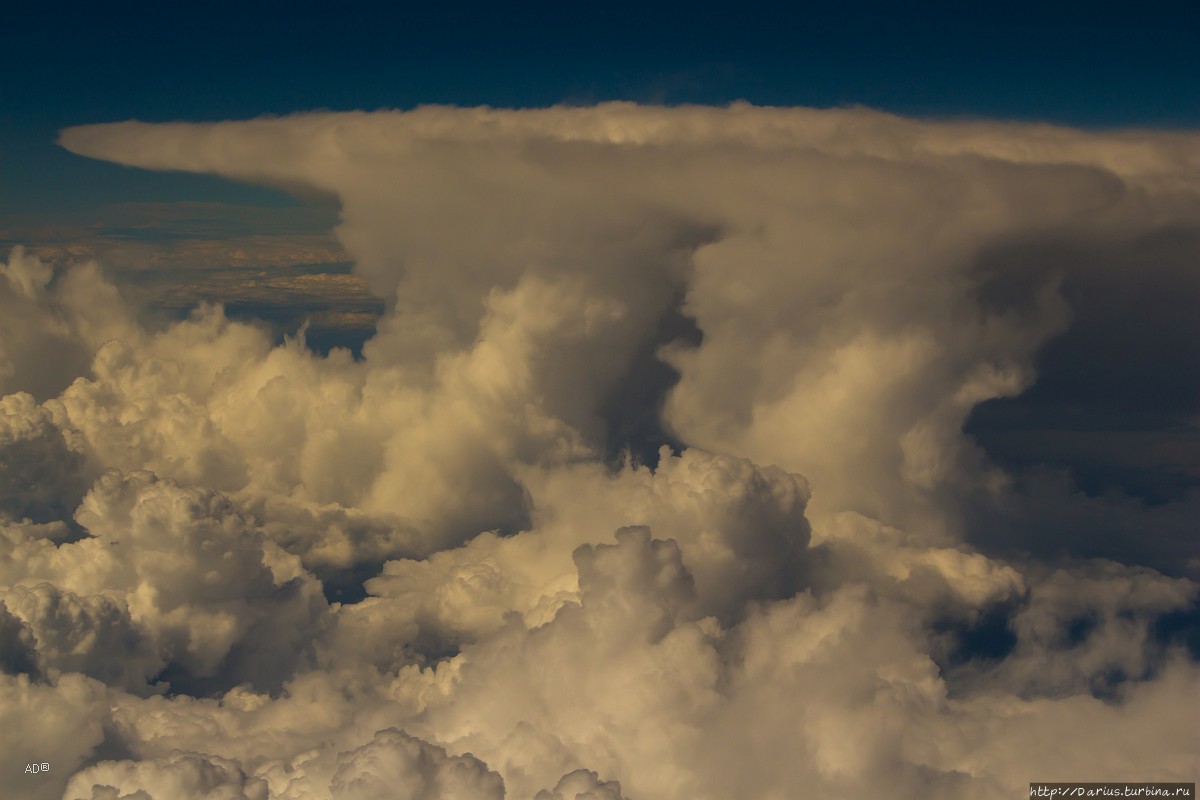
826	589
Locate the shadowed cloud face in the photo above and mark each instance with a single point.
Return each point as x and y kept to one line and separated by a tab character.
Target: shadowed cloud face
914	382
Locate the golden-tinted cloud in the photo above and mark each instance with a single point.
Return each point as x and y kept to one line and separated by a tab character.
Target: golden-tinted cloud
800	598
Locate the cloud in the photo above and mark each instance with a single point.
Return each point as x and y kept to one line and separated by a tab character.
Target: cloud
741	530
93	635
833	261
167	577
465	564
1090	629
20	648
42	478
213	592
395	765
59	723
583	784
183	775
40	347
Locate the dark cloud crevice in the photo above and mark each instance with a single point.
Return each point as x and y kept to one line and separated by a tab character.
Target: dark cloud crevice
633	410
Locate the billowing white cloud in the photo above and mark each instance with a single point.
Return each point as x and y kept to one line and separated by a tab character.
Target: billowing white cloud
827	257
94	635
395	765
167	576
48	333
42	477
181	775
60	724
582	784
808	305
741	529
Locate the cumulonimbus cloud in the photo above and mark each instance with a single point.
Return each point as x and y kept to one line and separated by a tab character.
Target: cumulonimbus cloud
808	304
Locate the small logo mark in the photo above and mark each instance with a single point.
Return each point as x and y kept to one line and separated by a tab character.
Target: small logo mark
33	769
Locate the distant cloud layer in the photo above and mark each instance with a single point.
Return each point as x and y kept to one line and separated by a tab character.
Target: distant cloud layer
825	589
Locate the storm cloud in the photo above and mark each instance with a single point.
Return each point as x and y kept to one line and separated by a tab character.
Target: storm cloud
699	453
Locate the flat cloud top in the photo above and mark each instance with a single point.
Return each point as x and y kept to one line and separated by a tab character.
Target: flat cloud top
854	130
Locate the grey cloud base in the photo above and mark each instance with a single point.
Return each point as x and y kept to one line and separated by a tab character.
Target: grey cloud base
827	589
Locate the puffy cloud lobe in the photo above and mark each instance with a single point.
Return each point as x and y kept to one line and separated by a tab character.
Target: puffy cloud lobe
93	635
741	527
680	694
170	430
168	576
396	765
214	592
740	530
42	478
582	784
638	572
183	775
50	325
951	581
619	666
31	330
59	723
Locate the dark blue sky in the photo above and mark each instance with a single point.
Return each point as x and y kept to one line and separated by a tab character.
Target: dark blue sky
1063	62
